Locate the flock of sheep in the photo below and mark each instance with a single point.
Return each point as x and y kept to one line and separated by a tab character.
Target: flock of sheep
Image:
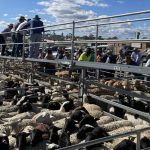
40	118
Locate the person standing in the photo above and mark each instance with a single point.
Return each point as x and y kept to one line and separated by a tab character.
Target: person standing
136	56
3	36
19	36
15	38
35	35
86	56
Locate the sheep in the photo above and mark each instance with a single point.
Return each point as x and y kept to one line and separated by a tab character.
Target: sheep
125	145
105	120
117	124
119	112
98	132
88	119
25	107
67	106
43	117
2	84
54	137
4	142
64	139
70	125
57	114
94	110
144	143
39	133
12	142
135	121
78	115
26	115
121	130
145	133
52	146
58	99
8	109
60	123
52	106
4	115
21	141
83	131
4	129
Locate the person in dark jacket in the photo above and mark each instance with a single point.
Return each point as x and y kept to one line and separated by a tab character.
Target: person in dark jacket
15	39
36	28
3	36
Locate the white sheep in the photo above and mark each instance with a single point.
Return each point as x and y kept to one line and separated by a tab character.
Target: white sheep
121	130
59	123
56	113
59	99
43	117
135	121
25	115
8	109
12	142
104	120
2	84
4	130
94	110
117	124
145	133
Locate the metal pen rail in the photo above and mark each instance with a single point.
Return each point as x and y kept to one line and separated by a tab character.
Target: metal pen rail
105	139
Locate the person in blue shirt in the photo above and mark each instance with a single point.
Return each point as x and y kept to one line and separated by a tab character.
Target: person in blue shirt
35	35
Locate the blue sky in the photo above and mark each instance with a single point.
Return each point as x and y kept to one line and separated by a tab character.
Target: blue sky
56	11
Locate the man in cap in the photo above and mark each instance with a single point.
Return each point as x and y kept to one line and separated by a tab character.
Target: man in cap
3	36
15	38
36	28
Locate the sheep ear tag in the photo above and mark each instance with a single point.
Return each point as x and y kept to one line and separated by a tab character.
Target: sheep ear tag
131	138
75	121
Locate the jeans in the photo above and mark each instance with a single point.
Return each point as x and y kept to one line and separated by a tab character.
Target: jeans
34	48
14	40
19	47
2	41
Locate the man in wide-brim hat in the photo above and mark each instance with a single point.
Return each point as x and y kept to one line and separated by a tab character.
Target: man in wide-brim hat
35	35
36	17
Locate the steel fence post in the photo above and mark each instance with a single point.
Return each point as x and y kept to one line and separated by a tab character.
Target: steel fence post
138	141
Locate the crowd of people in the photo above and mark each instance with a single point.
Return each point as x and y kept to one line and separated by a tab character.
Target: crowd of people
34	27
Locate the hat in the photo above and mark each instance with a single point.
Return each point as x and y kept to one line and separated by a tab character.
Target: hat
10	25
22	18
36	17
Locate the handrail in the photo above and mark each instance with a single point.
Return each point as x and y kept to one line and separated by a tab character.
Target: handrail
96	65
87	20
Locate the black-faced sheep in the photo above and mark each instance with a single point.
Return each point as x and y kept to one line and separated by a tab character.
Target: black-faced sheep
125	145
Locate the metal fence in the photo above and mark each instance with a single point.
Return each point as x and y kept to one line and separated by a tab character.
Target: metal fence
76	64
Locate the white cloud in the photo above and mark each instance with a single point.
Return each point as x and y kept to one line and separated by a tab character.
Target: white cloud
5	15
38	11
3	24
120	1
69	10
